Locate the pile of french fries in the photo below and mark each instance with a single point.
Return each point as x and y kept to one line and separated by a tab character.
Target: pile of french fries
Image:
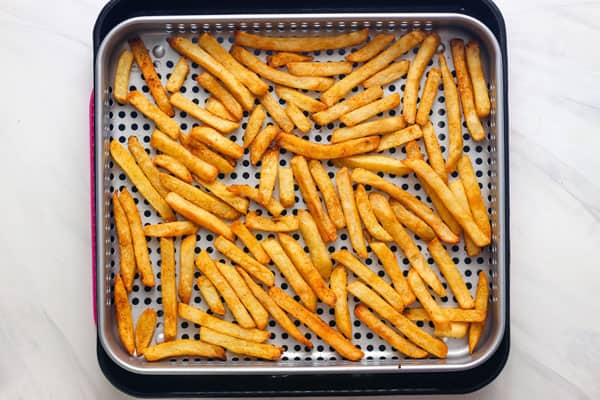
181	183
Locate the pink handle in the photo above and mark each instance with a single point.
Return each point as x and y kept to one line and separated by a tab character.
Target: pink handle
93	203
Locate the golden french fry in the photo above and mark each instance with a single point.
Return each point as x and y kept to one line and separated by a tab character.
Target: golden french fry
143	60
300	44
174	166
307	269
245	76
413	150
480	92
146	165
314	68
342	87
317	248
281	58
217	142
453	277
177	78
237	255
184	348
125	160
371	49
428	97
311	198
418	336
389	74
374	163
386	216
194	110
301	100
210	295
353	223
453	314
126	253
456	330
338	283
298	118
286	187
474	196
368	217
222	164
255	222
375	127
248	239
140	248
199	215
415	72
429	304
121	85
240	346
168	285
412	222
271	204
186	268
335	111
123	314
214	106
388	334
274	75
319	151
330	197
152	112
457	188
481	303
255	121
434	153
455	138
400	137
370	110
144	330
392	269
317	325
268	174
170	229
262	141
276	112
208	82
220	190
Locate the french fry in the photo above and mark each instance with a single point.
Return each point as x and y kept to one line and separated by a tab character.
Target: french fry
415	72
311	198
168	287
386	216
221	163
237	255
220	124
453	314
375	127
418	336
412	222
123	315
207	266
177	78
319	151
276	112
413	150
217	142
274	310
208	82
474	196
121	85
274	75
428	96
152	112
481	303
371	49
144	330
457	188
455	138
245	76
184	348
214	106
338	283
272	205
368	217
286	187
388	334
174	166
434	153
365	177
316	247
314	68
392	269
143	60
248	239
330	197
301	100
298	118
480	92
456	330
281	58
374	163
220	190
240	346
389	74
261	142
203	170
210	295
335	111
429	304
453	277
300	44
342	87
353	223
140	248
255	222
307	269
170	229
268	174
204	319
222	72
199	215
125	160
398	138
186	268
255	121
146	165
126	253
370	110
335	339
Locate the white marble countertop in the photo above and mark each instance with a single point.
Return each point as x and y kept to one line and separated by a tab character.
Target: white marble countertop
47	335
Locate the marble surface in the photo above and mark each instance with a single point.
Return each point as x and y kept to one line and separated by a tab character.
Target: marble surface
47	335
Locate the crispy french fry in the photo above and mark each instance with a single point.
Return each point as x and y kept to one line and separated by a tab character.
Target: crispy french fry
123	315
170	229
168	285
474	196
342	87
480	92
208	82
281	58
353	223
375	127
186	268
457	188
434	153
286	187
199	215
121	85
428	96
146	165
140	248
184	348
272	205
274	75
370	110
319	151
237	255
210	295
255	222
174	166
215	106
314	68
301	100
389	74
177	78
317	325
220	190
400	137
144	330
371	49
187	105
338	283
388	334
248	239
453	277
456	330
413	150
311	198
143	60
418	336
335	111
255	121
374	163
455	138
152	112
300	44
240	346
126	253
262	141
268	174
217	142
392	269
386	216
276	112
298	118
453	314
412	222
429	304
221	163
317	248
481	303
330	197
368	217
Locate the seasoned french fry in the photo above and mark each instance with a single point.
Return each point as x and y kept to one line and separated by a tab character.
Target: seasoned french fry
392	269
146	165
298	118
286	187
314	68
429	304
268	174
386	216
474	196
255	121
456	330
163	122
144	330
262	141
389	74
121	85
177	78
199	216
220	190
480	92
455	138
276	112
301	100
453	277
210	295
272	205
300	44
126	253
221	163
370	110
374	163
338	283
281	58
169	289
481	303
140	248
428	96
319	151
434	153
123	315
457	188
316	247
170	229
255	222
214	106
335	111
217	142
143	60
174	166
317	325
398	138
368	217
412	222
184	348
248	239
208	82
237	255
418	336
375	127
240	346
330	197
353	223
371	49
186	268
453	314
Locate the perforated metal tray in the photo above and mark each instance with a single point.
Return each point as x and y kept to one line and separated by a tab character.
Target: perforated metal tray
114	121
